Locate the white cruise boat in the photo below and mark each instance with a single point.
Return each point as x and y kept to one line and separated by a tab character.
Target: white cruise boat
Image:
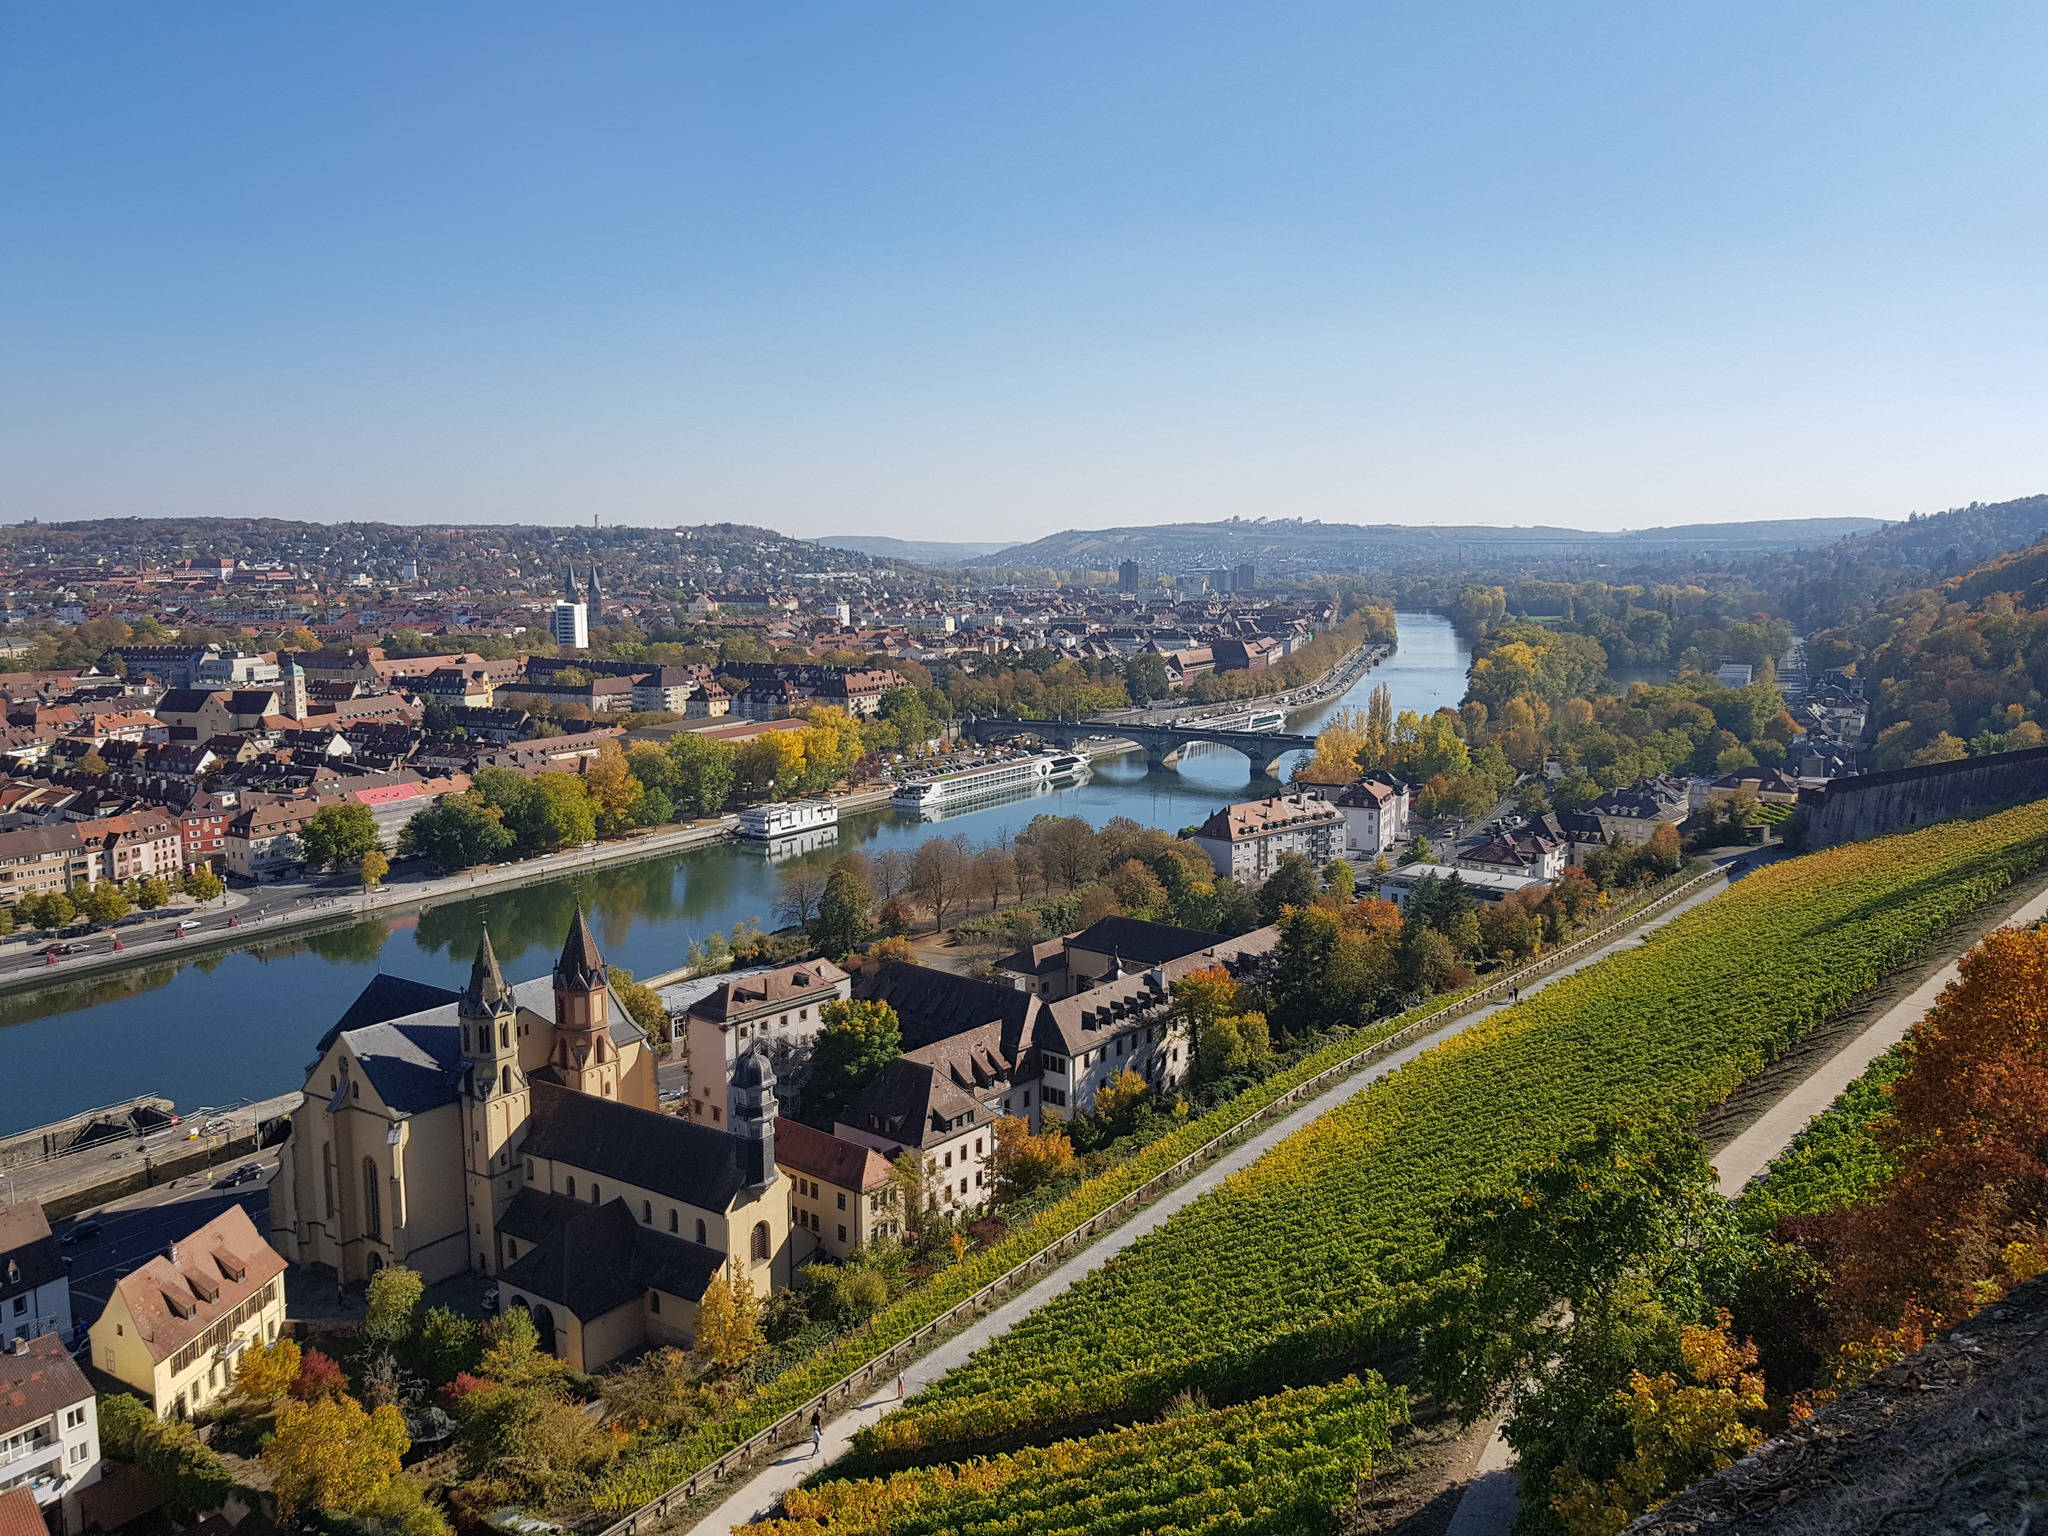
984	781
786	818
1244	720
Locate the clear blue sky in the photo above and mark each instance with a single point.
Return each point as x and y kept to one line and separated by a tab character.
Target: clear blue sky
981	271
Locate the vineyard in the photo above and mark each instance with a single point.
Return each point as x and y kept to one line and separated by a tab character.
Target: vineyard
1299	1262
1835	1161
661	1463
1283	1465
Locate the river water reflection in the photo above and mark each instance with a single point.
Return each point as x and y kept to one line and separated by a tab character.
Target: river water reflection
242	1024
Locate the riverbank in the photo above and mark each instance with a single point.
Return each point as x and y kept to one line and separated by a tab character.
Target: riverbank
221	928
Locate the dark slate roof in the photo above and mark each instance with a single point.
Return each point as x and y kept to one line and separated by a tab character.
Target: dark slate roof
185	701
581	966
387	998
673	1157
414	1065
1140	942
28	1253
603	1259
535	1213
935	1005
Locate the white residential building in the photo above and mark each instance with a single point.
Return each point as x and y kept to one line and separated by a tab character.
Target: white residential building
1375	815
1245	841
35	1291
49	1427
780	1010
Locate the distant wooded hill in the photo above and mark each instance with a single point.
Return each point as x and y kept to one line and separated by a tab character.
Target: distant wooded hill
1294	546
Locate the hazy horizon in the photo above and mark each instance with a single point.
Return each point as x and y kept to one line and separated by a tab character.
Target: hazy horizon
935	272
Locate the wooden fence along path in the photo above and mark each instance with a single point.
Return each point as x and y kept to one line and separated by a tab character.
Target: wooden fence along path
795	1425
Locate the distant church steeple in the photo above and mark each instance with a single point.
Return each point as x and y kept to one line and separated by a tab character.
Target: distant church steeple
596	598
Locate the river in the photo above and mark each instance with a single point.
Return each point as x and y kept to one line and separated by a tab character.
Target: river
241	1024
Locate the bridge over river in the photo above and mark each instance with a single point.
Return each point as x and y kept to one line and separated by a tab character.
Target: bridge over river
1162	743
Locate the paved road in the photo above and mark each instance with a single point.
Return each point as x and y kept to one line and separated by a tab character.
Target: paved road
760	1493
133	1228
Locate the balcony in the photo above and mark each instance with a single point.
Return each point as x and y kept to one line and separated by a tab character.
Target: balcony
26	1450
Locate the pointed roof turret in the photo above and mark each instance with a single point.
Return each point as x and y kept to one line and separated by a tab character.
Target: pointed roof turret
581	968
486	992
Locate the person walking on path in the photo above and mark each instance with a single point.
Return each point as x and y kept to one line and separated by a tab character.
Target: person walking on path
899	1389
817	1431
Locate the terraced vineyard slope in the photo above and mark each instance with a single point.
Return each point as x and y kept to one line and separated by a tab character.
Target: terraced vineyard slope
1283	1465
1298	1262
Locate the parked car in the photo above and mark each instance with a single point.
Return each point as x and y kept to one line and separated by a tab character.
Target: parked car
81	1232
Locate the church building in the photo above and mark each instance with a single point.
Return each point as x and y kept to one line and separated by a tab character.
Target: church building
513	1130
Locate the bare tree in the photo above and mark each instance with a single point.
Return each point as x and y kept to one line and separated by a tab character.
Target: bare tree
993	875
892	874
1068	849
803	887
938	876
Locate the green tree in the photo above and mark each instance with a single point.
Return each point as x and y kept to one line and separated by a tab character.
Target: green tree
105	903
569	816
642	1002
1145	677
394	1297
204	885
858	1040
843	923
339	834
1293	883
459	832
1564	1282
151	893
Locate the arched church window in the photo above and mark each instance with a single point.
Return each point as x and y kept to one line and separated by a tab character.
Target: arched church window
700	1231
327	1173
761	1241
373	1220
571	1188
504	1034
508	1079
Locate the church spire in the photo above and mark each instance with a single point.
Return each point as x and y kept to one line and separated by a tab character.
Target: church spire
581	968
486	992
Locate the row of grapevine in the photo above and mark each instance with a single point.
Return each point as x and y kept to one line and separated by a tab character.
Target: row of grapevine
1282	1465
1836	1161
1300	1259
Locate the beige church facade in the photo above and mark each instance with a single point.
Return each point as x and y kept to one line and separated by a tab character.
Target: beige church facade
514	1130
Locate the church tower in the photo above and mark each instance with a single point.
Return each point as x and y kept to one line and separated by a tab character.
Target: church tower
750	1113
596	598
494	1100
583	1057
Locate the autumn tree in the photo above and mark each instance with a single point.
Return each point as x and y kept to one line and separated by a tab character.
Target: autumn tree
319	1376
1117	1099
333	1455
728	1320
1020	1162
614	792
373	867
267	1370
